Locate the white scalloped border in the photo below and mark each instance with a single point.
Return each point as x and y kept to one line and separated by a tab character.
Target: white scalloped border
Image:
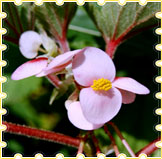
3	79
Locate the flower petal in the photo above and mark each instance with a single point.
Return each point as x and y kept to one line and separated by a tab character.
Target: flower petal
127	97
130	85
77	118
91	65
29	68
63	59
100	107
48	43
53	70
29	44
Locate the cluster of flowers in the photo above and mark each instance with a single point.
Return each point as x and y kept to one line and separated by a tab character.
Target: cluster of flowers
100	93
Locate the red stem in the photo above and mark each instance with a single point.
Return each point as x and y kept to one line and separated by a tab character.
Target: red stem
42	134
150	148
122	139
13	28
11	39
64	45
95	140
112	141
112	44
54	80
63	40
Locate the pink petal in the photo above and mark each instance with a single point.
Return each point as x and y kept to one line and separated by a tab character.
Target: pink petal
127	97
92	64
29	68
77	118
130	85
29	44
53	70
63	59
100	107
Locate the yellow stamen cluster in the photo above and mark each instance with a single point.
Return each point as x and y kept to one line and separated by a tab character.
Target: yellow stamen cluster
101	84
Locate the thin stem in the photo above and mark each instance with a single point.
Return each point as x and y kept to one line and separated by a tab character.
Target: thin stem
81	147
112	141
19	20
150	148
11	39
11	15
85	30
32	17
95	140
42	134
122	139
64	45
83	140
42	50
54	80
13	28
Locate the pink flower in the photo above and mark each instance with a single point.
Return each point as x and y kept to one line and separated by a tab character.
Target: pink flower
102	94
29	45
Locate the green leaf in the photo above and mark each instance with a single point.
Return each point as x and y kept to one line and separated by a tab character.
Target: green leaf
18	101
55	19
19	19
24	87
15	146
117	23
82	34
82	14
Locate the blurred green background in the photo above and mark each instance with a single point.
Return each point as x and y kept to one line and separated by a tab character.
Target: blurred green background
27	100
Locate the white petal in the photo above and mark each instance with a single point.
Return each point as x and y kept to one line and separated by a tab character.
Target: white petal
48	43
29	44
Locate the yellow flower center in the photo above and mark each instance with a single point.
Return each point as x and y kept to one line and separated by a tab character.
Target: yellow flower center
101	84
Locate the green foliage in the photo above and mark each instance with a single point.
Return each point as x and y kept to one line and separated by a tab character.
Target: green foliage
15	146
84	37
22	87
19	19
55	19
114	20
135	143
19	100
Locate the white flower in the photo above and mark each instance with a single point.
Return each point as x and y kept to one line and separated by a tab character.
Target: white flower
30	42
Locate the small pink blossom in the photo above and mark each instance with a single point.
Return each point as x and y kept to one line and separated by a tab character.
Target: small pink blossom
102	94
29	45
